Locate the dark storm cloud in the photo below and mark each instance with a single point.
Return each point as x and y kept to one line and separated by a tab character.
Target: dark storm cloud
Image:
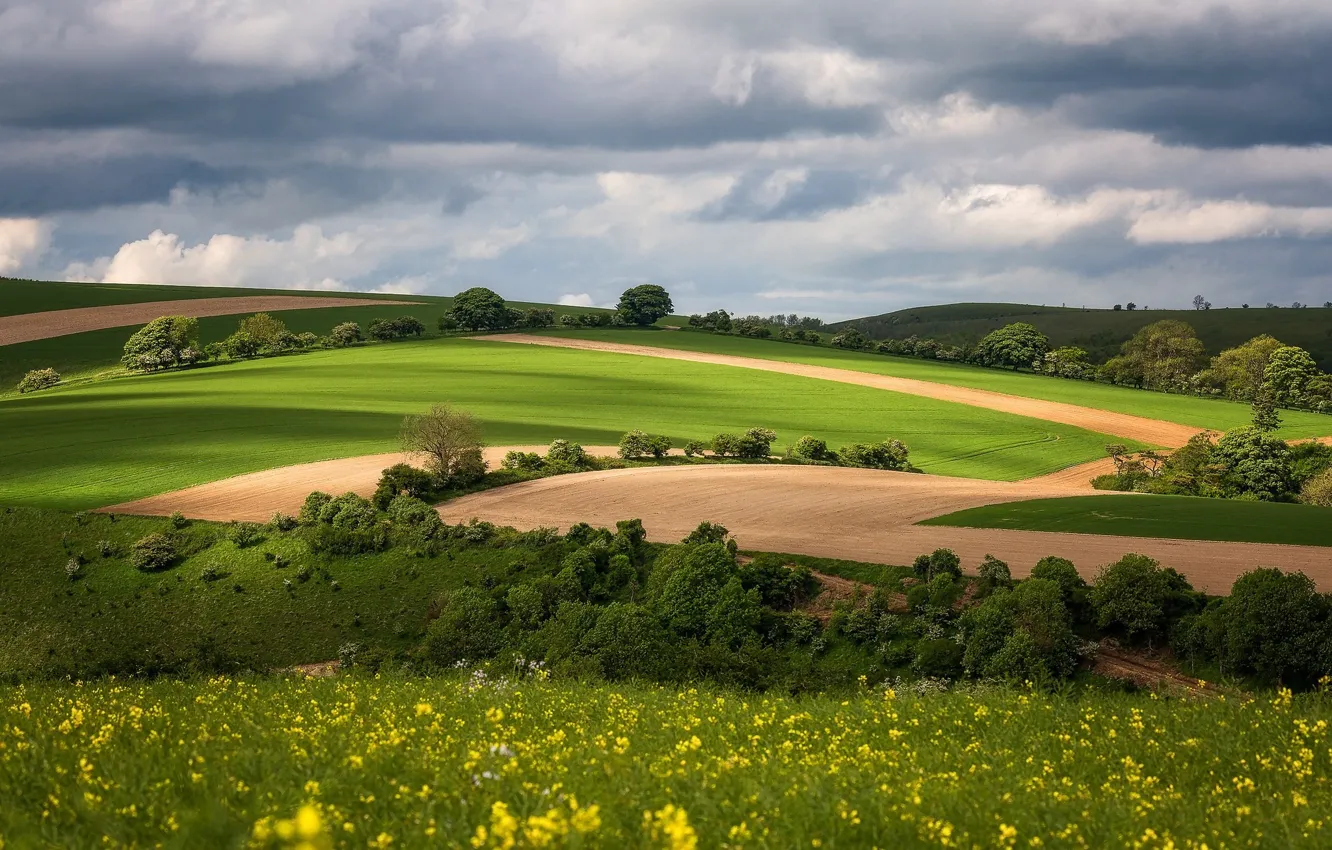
819	191
1219	84
51	187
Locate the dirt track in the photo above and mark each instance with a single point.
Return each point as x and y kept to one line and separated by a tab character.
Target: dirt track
855	514
1150	431
26	327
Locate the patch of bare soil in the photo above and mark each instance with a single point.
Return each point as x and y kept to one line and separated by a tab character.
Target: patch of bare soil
832	590
1152	431
1147	671
30	326
256	496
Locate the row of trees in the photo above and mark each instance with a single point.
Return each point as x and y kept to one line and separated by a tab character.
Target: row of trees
482	309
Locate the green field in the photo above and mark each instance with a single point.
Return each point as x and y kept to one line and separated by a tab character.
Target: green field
484	762
1181	517
107	442
1102	332
95	352
1201	413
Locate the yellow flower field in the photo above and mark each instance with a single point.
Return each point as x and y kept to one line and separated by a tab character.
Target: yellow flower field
483	762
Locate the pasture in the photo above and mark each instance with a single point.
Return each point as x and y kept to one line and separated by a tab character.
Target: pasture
1195	412
1177	517
112	441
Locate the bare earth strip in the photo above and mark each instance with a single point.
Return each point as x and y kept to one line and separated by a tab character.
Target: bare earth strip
860	515
256	496
1150	431
27	327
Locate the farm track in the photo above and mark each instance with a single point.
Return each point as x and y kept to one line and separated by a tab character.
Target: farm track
27	327
1150	431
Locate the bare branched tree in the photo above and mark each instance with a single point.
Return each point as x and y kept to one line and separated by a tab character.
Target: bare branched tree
450	440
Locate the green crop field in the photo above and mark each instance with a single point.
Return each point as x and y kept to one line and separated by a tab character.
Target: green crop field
107	442
1201	413
1181	517
489	762
94	352
1102	332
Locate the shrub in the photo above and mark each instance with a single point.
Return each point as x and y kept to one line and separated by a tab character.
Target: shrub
105	548
938	562
245	534
993	574
348	511
1072	586
890	454
282	522
162	343
210	574
526	461
563	451
1138	596
1318	490
387	330
850	338
636	444
756	443
1024	634
73	568
38	379
810	448
726	445
695	448
1274	625
938	658
568	321
178	520
538	317
465	630
345	334
403	478
707	532
154	552
267	331
313	504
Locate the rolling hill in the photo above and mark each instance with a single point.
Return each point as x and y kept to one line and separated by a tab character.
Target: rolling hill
1101	332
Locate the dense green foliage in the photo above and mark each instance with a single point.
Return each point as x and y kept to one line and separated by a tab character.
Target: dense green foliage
643	305
38	379
163	343
1178	517
1018	345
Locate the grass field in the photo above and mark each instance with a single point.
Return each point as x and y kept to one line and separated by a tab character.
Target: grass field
1201	413
1181	517
99	351
111	441
1101	332
484	762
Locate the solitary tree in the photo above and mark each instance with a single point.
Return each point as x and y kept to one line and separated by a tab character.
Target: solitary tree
480	309
1287	375
1199	302
162	343
1018	344
450	439
645	304
263	329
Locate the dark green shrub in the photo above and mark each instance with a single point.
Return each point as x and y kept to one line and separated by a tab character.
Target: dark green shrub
480	309
811	449
210	574
756	443
938	562
643	305
526	461
628	641
240	345
346	333
178	520
635	444
850	338
403	479
695	448
707	532
282	522
1140	598
1072	586
779	586
245	534
938	658
563	451
466	629
154	552
993	574
163	343
890	454
38	379
314	503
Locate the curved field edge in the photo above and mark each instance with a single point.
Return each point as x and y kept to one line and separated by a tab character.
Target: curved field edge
1174	517
118	440
441	762
1194	412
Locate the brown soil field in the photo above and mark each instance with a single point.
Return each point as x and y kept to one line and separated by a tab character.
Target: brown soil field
1150	431
30	326
855	514
256	496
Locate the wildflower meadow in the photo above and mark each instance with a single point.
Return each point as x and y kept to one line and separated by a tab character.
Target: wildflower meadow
485	761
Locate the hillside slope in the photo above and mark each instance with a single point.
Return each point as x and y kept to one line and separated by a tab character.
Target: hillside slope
1101	332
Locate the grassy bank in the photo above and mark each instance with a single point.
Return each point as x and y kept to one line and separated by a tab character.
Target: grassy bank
1182	517
482	762
1200	413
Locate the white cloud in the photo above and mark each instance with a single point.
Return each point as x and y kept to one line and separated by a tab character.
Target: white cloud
1218	221
492	244
308	260
21	241
581	299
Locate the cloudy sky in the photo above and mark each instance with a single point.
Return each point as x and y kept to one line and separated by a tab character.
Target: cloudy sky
839	157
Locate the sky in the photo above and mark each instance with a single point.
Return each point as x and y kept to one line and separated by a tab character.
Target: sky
834	158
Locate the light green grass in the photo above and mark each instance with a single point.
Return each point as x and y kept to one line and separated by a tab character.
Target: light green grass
1200	413
1182	517
417	763
107	442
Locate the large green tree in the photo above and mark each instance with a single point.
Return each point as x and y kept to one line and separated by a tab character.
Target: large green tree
481	309
1164	355
1015	345
164	342
1239	372
645	304
1287	375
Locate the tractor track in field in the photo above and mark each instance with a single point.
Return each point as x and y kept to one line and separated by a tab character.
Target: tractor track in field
27	327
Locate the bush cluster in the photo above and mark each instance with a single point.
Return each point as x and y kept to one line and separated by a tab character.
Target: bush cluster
38	379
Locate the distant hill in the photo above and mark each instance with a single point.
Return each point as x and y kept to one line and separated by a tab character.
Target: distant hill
1101	332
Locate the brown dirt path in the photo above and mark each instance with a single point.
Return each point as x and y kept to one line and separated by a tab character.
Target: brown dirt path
26	327
1150	431
256	496
861	515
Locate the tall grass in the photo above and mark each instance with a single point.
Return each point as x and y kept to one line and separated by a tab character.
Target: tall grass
490	762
